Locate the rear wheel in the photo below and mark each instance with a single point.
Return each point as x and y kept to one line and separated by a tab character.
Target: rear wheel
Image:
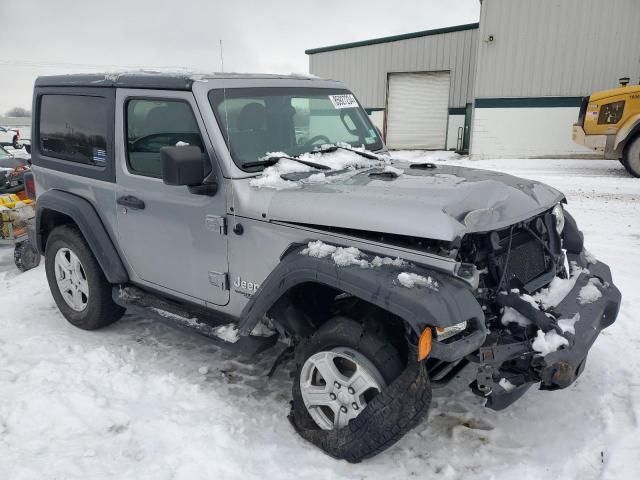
77	283
25	256
353	395
631	160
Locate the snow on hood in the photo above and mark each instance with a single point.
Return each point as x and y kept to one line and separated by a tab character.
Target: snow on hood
439	203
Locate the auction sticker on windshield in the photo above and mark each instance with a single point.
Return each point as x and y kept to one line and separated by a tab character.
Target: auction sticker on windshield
343	101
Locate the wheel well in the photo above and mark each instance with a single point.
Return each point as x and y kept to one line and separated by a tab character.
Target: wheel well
307	306
629	141
50	219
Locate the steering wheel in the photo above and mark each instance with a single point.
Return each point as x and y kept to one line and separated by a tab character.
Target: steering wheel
317	138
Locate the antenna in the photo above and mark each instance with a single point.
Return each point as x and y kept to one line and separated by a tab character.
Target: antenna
228	139
221	57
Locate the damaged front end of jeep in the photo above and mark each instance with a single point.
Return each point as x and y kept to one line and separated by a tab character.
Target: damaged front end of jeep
545	300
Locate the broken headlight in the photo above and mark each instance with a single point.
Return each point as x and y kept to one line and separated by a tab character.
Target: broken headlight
443	333
558	213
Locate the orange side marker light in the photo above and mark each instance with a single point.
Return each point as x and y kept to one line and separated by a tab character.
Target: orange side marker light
424	344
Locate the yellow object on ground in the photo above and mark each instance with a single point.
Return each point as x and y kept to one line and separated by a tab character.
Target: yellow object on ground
15	214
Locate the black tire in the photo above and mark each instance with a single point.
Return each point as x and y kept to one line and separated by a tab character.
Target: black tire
25	256
27	147
402	405
100	310
631	160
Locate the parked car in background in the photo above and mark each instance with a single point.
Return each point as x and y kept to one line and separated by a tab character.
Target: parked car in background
10	136
8	160
12	170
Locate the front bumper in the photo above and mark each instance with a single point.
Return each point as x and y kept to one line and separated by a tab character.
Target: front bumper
603	144
557	369
561	368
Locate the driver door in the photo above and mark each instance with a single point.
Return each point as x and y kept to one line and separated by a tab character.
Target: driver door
173	240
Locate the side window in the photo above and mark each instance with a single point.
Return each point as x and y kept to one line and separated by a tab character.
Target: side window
74	128
153	124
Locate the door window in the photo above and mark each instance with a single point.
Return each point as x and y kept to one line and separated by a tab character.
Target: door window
153	124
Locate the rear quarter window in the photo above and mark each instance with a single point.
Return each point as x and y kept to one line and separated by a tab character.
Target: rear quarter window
74	128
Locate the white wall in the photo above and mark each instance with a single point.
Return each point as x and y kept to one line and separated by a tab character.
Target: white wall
524	133
455	122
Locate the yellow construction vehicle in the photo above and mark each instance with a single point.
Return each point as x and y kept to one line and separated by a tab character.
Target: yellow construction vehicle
609	123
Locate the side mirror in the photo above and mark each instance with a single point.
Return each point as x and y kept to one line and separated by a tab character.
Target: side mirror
182	166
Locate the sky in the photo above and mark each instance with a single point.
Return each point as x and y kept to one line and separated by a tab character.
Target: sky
44	37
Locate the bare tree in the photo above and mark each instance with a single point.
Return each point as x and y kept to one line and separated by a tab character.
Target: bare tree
18	112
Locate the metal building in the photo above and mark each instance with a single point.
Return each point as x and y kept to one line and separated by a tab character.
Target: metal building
518	75
423	81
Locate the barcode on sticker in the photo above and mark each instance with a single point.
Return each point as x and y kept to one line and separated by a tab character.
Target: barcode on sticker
343	101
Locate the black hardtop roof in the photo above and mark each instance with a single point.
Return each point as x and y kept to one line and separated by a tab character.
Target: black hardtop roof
144	79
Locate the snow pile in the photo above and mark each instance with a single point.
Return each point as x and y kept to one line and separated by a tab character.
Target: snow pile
128	401
380	261
397	171
342	256
182	144
567	325
271	176
506	385
345	256
348	256
546	343
337	161
558	289
228	333
410	280
590	292
511	315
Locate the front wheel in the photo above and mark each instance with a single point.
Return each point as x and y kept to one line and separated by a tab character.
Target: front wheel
77	282
631	160
353	395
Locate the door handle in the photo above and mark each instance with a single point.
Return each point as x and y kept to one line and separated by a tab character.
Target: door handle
131	202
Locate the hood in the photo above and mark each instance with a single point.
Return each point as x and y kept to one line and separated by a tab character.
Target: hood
442	203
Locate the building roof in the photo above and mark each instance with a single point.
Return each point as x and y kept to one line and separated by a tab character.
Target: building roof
146	79
394	38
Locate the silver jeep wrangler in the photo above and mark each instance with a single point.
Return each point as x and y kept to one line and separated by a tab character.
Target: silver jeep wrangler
263	210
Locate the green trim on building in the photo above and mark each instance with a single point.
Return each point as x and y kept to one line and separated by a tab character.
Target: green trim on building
528	102
394	38
457	110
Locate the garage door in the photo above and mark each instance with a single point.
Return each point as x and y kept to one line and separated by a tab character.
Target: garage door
417	110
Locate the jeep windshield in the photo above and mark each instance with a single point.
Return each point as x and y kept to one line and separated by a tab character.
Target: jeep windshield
291	120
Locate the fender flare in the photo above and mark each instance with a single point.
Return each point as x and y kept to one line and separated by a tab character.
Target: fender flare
450	303
90	225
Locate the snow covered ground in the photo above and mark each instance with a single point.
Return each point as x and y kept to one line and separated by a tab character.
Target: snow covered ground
143	400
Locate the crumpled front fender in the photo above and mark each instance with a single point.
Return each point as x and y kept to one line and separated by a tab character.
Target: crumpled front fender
447	302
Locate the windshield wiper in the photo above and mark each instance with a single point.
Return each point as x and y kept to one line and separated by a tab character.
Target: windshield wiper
333	148
273	159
